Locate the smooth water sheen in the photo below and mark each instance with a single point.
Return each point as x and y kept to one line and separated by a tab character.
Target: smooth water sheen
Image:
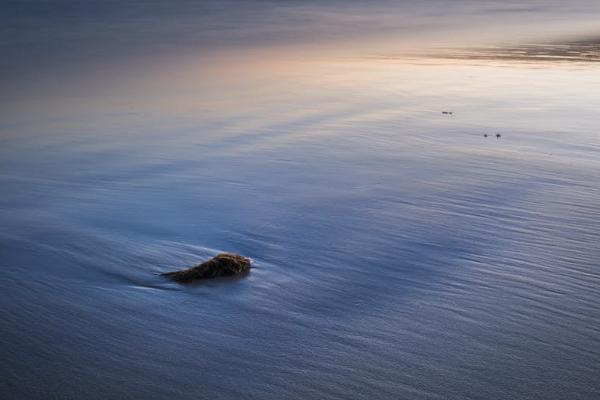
398	253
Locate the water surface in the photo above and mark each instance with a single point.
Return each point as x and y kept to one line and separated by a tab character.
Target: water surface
398	252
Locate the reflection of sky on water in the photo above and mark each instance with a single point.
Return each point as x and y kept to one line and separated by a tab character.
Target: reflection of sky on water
399	253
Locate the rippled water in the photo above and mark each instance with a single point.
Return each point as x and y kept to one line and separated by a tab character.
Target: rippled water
398	253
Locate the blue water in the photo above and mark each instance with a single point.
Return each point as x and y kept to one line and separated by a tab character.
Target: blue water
398	253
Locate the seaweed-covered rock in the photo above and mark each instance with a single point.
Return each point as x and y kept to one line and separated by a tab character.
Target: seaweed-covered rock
221	265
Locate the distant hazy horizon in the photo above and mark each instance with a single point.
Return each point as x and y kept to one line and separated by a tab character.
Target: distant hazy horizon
41	35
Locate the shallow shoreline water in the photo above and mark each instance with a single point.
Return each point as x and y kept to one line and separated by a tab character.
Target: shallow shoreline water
397	252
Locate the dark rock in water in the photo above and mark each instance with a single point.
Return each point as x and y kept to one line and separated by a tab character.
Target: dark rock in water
221	265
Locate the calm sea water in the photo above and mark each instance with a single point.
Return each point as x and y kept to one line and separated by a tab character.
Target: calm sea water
398	252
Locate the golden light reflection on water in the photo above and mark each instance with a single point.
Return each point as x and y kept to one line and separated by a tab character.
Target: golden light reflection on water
274	88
